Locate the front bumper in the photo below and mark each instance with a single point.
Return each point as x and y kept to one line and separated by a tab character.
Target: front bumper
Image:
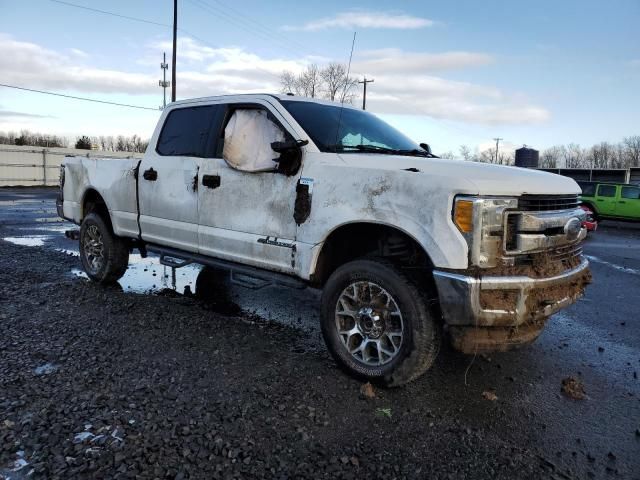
510	310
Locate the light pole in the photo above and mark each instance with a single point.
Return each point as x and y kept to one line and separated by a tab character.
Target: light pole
364	96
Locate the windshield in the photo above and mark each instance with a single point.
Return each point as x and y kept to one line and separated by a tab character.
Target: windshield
359	130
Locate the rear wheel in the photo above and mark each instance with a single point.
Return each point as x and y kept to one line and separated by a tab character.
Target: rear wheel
104	256
376	323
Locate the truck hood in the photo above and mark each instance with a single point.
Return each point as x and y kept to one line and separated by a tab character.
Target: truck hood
488	179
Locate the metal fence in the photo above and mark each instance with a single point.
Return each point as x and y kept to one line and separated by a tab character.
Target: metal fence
37	166
618	175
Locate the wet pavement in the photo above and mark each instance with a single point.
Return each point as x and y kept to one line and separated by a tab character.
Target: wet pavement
596	341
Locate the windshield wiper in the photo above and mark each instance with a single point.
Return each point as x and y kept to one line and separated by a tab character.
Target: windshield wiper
384	150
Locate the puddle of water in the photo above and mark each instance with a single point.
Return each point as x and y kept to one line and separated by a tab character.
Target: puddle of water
147	275
53	228
30	241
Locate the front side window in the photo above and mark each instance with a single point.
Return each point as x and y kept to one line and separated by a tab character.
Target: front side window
606	190
632	193
588	189
336	129
189	132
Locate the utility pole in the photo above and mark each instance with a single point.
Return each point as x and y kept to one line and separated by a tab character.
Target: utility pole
173	62
163	83
364	96
497	146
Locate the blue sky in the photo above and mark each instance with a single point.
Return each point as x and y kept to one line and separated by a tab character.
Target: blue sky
449	73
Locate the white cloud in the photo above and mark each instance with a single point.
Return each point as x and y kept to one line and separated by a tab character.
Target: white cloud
404	81
79	53
393	59
404	84
634	63
355	19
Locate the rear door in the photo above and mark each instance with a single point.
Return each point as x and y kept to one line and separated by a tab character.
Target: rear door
629	202
606	199
168	177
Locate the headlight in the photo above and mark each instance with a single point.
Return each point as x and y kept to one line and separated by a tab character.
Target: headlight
481	222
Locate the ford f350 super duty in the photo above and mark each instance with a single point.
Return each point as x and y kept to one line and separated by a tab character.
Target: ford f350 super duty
306	193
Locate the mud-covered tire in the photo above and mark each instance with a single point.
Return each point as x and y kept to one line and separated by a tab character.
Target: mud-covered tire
421	332
98	240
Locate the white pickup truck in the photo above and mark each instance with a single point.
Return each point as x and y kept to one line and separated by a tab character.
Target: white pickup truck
302	192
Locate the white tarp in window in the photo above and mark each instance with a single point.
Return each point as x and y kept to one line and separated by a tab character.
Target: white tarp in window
247	141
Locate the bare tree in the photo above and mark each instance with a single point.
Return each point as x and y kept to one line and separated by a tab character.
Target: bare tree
632	150
550	157
449	154
330	82
465	152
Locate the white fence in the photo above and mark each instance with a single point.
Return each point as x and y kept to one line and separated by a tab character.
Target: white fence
37	166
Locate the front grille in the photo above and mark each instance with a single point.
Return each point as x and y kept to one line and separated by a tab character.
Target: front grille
538	203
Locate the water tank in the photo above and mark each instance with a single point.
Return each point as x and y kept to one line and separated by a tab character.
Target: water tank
527	157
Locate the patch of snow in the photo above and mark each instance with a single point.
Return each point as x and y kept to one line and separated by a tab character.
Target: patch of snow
45	369
30	241
82	436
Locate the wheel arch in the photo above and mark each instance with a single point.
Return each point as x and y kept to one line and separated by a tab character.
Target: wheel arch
92	201
352	240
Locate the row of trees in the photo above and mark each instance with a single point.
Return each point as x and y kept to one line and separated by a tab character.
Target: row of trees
330	82
109	143
623	154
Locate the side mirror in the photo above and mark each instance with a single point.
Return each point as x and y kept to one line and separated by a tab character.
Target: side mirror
290	155
426	148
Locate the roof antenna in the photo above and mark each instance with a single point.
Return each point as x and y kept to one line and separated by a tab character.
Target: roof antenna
344	91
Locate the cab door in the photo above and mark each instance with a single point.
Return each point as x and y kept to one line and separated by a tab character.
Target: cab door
629	202
247	216
606	199
168	176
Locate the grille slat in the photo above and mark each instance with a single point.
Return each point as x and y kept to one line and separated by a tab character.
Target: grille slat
539	203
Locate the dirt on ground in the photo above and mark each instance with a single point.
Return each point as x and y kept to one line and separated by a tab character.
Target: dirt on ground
573	388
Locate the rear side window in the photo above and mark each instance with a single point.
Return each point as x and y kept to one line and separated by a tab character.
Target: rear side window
606	190
588	189
190	132
631	192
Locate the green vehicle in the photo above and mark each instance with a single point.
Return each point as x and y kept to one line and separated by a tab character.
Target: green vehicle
612	201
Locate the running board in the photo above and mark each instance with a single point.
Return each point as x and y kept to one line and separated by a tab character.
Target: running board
175	258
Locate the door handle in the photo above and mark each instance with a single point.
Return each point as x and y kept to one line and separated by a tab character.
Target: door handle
599	200
211	181
151	175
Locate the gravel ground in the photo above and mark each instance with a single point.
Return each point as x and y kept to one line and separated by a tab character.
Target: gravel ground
97	383
140	381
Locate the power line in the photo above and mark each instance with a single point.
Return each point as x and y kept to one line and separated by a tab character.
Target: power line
254	24
135	19
241	23
77	98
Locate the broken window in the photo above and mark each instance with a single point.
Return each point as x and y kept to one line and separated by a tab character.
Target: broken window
247	140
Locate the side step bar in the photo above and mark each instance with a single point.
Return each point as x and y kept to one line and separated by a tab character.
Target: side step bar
175	258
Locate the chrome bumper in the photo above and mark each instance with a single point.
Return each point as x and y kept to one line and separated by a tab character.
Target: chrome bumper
460	297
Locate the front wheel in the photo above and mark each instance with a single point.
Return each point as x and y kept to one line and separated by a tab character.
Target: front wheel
104	256
376	323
